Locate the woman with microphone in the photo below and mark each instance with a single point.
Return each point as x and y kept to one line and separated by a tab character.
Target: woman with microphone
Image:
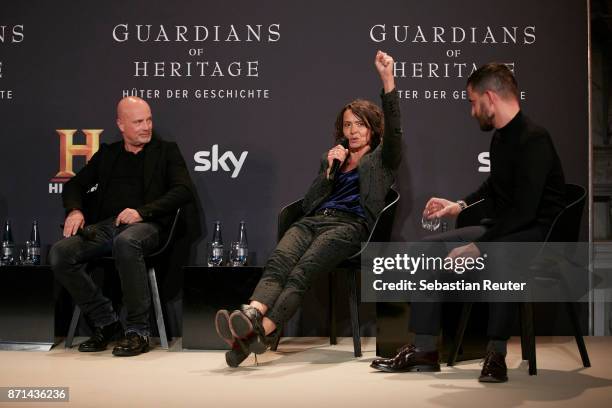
340	209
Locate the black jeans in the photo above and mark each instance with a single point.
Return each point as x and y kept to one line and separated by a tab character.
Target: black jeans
426	316
313	244
128	244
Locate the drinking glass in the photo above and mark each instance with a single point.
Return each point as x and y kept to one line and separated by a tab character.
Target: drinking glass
434	223
430	225
238	254
214	254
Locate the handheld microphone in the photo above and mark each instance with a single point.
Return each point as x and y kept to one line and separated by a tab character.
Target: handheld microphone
335	167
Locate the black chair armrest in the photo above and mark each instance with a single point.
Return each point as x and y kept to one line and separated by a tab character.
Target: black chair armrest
287	216
169	237
381	230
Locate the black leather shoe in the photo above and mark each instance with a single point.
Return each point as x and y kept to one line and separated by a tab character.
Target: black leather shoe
494	369
101	337
239	352
241	349
245	321
409	358
246	324
132	344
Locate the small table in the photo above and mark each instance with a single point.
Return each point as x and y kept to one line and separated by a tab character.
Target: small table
208	289
27	308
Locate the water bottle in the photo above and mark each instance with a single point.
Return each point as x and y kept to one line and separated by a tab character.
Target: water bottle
8	245
242	246
33	254
215	250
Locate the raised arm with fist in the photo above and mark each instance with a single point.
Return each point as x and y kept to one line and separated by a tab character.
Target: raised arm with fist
384	66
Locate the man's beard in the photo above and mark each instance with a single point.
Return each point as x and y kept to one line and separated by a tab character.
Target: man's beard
485	122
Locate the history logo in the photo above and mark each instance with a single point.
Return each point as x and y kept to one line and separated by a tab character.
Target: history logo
68	150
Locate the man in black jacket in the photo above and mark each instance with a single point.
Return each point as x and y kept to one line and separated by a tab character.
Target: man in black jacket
522	196
127	194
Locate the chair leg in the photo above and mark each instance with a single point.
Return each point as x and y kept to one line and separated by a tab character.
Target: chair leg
584	355
74	322
524	337
466	310
332	309
161	327
354	309
527	331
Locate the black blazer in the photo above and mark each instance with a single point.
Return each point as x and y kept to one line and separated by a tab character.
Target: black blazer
376	169
167	185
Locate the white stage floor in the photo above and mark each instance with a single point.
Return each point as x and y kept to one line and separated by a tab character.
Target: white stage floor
308	372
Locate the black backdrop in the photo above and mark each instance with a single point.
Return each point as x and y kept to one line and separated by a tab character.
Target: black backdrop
65	64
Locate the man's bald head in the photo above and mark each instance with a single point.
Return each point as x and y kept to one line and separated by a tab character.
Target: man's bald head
129	102
135	122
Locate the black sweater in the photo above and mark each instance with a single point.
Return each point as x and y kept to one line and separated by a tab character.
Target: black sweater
526	186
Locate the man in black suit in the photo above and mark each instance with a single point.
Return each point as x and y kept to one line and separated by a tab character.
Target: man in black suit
127	194
522	196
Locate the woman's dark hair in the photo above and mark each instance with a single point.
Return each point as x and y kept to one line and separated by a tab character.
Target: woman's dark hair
369	113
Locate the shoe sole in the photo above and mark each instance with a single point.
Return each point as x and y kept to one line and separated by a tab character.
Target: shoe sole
91	350
240	325
222	326
492	380
130	353
413	369
242	328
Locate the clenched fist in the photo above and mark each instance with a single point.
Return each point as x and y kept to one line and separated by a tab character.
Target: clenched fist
384	66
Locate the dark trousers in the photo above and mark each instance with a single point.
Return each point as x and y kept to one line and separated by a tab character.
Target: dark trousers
426	317
128	244
311	245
